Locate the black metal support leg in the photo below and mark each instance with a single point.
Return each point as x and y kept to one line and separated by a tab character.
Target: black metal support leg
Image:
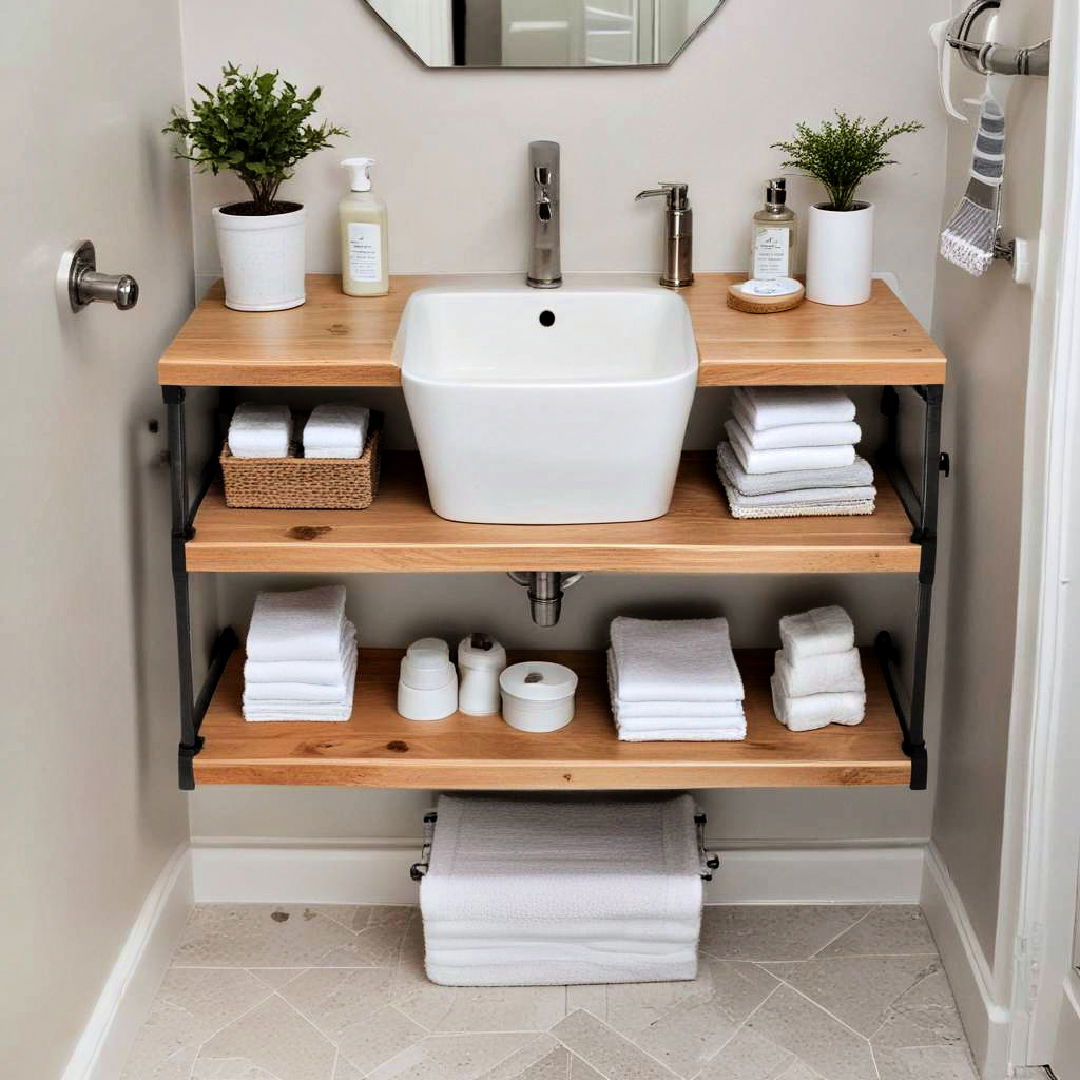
922	510
192	708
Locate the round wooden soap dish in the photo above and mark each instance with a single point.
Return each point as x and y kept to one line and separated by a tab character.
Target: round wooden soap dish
764	305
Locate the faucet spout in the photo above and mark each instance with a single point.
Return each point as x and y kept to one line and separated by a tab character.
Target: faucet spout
545	263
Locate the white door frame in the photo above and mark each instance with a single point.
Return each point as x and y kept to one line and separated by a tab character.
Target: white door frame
1042	840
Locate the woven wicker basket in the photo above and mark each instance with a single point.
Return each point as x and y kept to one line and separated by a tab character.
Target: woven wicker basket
296	483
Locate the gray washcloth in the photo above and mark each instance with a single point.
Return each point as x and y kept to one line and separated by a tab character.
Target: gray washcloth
857	475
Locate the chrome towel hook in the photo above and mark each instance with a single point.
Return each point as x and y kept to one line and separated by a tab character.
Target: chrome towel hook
989	57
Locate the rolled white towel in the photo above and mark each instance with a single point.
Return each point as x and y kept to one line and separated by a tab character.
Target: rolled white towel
778	406
858	474
336	427
758	462
817	710
834	433
302	625
260	431
829	673
674	660
816	632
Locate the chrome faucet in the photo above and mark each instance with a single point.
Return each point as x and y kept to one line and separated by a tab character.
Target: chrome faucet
545	269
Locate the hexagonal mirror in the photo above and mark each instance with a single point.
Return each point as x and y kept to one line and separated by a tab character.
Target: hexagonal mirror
545	33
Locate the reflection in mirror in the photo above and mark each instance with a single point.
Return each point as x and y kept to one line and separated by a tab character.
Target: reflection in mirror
545	33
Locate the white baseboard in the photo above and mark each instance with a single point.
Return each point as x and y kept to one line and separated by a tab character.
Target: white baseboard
377	872
986	1021
125	999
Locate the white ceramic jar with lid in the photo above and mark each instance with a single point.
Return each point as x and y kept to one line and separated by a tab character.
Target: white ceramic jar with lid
538	695
481	660
428	689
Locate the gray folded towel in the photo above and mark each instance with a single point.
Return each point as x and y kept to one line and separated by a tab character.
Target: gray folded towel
857	475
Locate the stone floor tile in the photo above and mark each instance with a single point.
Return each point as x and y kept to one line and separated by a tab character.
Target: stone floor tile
377	1038
781	932
273	1038
582	1070
926	1063
605	1050
799	1071
231	1069
925	1016
408	977
814	1037
259	935
344	1070
856	989
273	977
890	930
336	999
748	1056
485	1008
372	946
532	1055
451	1057
590	998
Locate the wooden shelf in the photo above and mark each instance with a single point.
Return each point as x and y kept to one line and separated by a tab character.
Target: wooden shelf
399	533
377	748
338	340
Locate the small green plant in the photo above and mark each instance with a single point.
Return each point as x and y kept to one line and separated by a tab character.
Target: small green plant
250	127
841	154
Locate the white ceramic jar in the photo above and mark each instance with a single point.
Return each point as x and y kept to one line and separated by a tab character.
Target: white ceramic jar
840	255
262	259
428	688
481	660
538	696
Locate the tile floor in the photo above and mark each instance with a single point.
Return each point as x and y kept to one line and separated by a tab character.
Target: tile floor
339	993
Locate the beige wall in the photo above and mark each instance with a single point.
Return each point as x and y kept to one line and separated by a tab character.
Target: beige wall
984	327
87	741
451	150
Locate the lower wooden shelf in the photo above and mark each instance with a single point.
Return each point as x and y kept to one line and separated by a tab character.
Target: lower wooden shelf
378	749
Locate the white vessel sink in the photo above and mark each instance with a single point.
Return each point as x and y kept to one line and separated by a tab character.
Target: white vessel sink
527	421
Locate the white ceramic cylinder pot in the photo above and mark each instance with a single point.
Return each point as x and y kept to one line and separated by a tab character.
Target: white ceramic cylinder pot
262	259
840	255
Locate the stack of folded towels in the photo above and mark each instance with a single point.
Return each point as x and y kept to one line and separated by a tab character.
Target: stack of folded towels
538	892
791	453
260	431
301	657
336	431
675	680
818	678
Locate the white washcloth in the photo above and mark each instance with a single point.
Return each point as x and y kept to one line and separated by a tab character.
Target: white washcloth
778	406
836	433
340	710
858	474
304	625
804	510
504	859
817	710
558	966
829	673
674	660
322	672
260	431
758	462
816	632
336	426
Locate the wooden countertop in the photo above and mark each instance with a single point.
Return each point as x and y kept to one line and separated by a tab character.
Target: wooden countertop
338	340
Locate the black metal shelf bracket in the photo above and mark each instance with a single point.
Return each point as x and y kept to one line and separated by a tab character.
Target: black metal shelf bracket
921	507
192	706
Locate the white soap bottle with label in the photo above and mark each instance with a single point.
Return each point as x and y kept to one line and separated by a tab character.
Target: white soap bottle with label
364	242
773	253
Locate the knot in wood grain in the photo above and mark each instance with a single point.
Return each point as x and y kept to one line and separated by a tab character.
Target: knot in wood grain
308	532
399	746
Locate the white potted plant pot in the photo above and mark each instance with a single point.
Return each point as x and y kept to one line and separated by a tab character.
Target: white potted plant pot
262	257
840	255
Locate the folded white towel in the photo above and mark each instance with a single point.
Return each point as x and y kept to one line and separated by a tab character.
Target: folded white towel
465	933
829	673
758	462
556	969
778	406
674	660
675	734
302	691
858	474
328	453
816	632
336	425
817	710
321	672
651	714
837	433
340	710
504	859
686	723
260	431
303	625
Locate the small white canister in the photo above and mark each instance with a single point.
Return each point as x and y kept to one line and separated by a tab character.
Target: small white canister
538	696
481	660
428	689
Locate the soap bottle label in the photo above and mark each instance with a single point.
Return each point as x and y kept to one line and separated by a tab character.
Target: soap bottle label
365	253
771	254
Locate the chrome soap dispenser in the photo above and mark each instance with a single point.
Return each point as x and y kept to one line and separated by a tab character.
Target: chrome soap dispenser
678	269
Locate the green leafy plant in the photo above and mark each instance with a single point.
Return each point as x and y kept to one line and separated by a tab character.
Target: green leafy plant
841	154
252	128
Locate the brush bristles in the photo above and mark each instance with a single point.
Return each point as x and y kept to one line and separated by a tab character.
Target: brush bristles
968	239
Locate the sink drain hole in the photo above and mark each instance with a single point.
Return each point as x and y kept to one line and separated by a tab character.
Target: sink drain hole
547	318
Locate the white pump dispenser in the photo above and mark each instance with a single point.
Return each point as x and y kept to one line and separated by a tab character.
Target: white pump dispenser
364	241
